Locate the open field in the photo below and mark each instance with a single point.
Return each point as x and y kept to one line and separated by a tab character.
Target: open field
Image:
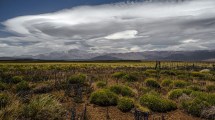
101	90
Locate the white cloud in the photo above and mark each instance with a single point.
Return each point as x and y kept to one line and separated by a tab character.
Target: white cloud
114	28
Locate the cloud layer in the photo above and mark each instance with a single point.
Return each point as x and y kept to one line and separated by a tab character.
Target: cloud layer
123	27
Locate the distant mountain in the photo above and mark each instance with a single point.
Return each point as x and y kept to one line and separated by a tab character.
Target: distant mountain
75	54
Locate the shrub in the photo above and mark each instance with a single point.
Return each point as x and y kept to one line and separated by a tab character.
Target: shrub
103	97
125	104
77	79
100	84
195	88
157	103
4	98
208	97
180	84
195	106
175	94
43	107
17	79
168	72
43	89
152	83
150	72
118	75
3	86
22	86
210	88
198	75
122	90
166	83
130	78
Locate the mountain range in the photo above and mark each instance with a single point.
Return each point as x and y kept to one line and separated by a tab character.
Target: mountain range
75	55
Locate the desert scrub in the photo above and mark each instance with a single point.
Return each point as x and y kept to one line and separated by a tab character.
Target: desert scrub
157	103
198	75
195	88
22	86
4	100
130	78
3	86
180	84
210	88
100	84
176	93
168	72
203	96
125	104
150	73
122	90
118	75
103	97
195	106
166	83
43	107
152	83
77	79
17	79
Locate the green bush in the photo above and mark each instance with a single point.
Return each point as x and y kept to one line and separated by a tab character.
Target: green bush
130	78
118	75
77	79
166	83
122	90
22	86
208	97
4	99
17	79
125	104
210	88
198	75
195	88
100	84
3	86
195	106
175	94
180	84
157	103
168	72
103	97
150	73
43	107
152	83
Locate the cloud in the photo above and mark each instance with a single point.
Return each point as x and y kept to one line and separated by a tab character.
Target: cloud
122	27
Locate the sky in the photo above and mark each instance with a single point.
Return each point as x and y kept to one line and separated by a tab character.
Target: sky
31	27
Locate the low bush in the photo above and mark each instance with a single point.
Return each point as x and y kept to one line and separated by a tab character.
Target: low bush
180	84
166	83
195	106
4	100
168	72
3	86
210	88
125	104
100	84
150	73
198	75
103	97
118	75
43	89
195	88
175	94
122	90
152	83
203	96
16	79
157	103
77	79
43	107
22	86
130	78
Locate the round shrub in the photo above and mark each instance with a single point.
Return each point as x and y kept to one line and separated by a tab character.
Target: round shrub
157	103
43	107
3	86
166	83
175	94
195	88
77	79
4	98
122	90
17	79
125	104
195	106
198	75
152	83
103	97
210	88
168	72
118	75
22	86
130	78
180	84
100	84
